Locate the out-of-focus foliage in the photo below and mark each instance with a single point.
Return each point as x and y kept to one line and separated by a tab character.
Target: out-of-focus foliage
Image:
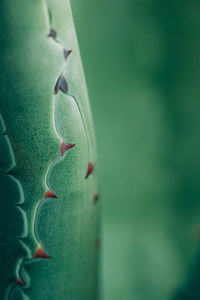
142	62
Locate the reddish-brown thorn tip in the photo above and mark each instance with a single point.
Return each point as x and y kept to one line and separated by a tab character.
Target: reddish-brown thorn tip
64	147
41	254
20	282
95	197
90	169
67	53
97	242
61	84
50	194
52	33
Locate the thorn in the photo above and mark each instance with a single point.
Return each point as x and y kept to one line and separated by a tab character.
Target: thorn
61	84
20	282
10	172
50	194
67	53
90	169
41	254
97	243
52	33
20	206
96	197
64	147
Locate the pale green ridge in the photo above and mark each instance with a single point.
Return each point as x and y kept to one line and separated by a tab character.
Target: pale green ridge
62	22
66	226
12	229
18	294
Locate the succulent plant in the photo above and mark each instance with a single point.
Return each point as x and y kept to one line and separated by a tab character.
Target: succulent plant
49	212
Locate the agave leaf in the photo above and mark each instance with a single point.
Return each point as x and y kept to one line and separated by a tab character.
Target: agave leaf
50	152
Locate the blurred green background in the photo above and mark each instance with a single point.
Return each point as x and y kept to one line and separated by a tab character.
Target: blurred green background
142	64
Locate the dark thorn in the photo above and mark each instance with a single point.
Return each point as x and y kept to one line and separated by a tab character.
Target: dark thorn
41	254
97	243
11	172
52	33
67	53
64	147
20	282
96	197
90	169
61	84
49	194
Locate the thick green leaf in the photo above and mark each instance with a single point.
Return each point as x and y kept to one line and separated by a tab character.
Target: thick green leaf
63	221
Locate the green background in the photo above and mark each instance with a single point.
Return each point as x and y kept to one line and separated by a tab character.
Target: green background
142	64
